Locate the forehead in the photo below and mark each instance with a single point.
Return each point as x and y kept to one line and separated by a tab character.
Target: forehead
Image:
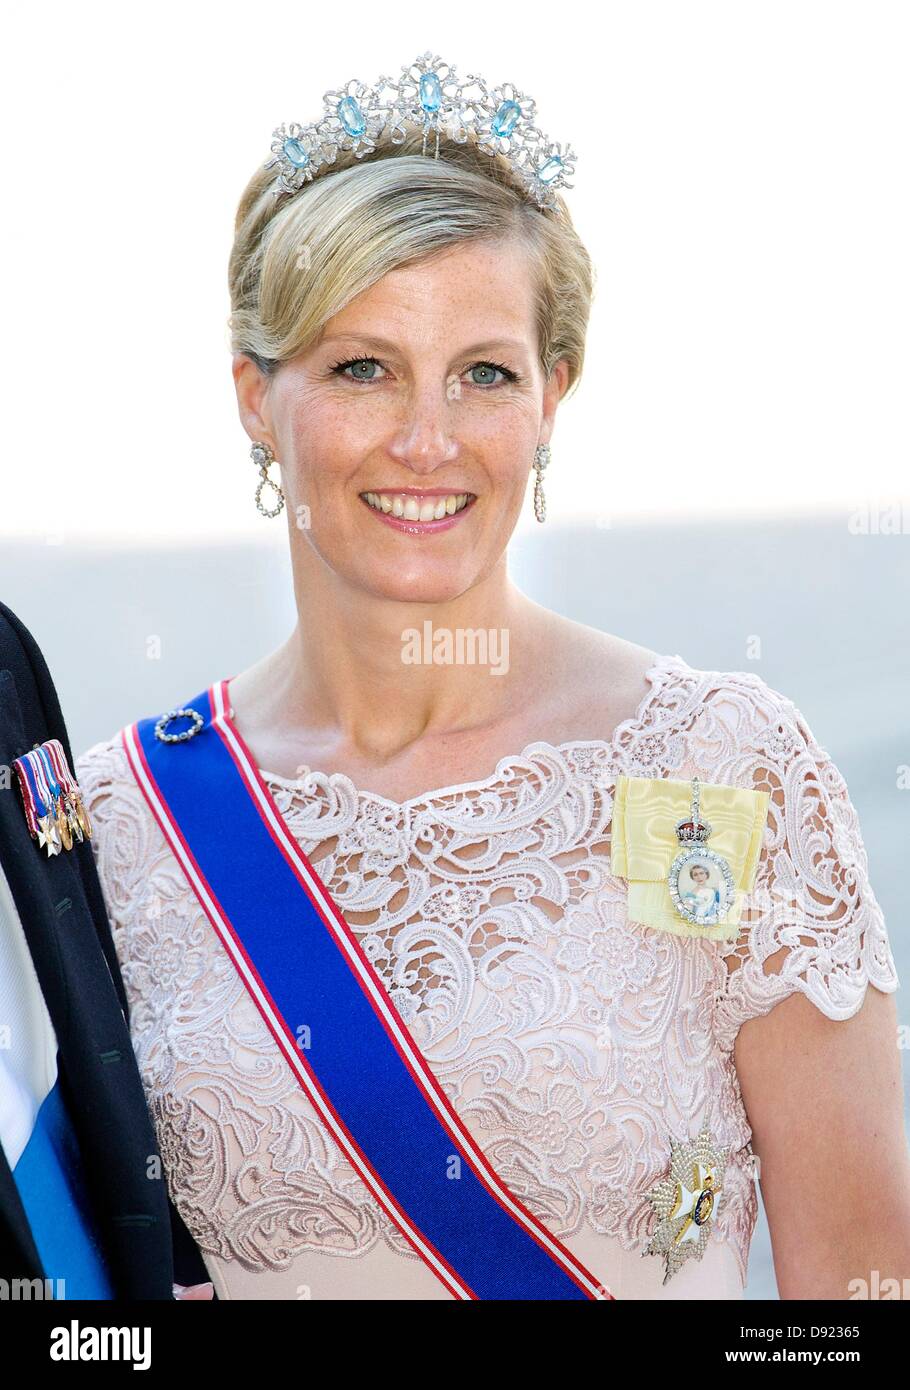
479	289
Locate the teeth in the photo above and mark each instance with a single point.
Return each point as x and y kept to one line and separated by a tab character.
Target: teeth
412	509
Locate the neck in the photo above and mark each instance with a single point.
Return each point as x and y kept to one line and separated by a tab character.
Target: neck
382	674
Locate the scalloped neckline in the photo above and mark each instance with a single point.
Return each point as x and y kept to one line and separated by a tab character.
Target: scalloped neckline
663	663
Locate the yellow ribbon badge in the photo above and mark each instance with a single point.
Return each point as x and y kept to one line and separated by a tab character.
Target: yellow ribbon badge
646	811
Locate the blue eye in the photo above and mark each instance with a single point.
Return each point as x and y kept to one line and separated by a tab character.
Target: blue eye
353	368
340	368
483	367
492	367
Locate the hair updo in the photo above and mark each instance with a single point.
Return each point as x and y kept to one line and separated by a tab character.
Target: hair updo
298	259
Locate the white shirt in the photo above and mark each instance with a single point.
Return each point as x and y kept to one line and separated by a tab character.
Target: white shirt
28	1043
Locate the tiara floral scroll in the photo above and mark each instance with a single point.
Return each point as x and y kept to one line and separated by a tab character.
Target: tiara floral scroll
431	98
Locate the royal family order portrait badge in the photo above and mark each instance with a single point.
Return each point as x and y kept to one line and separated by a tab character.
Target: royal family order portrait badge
677	882
701	881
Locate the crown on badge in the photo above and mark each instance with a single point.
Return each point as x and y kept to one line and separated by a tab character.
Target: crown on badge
430	98
690	832
693	830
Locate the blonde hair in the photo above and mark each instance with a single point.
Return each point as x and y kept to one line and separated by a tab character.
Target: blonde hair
300	258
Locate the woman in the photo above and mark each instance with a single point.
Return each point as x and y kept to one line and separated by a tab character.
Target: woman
415	1020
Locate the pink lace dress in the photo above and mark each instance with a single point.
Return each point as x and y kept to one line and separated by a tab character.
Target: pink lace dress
574	1043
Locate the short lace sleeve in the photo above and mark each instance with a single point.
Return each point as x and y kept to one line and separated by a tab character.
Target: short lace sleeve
120	838
95	771
812	922
100	773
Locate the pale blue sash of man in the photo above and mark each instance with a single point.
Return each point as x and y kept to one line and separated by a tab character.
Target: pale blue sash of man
333	1021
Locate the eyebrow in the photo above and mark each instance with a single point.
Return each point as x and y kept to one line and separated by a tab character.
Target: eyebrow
386	344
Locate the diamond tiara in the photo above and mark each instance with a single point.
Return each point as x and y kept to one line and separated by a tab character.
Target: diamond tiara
428	97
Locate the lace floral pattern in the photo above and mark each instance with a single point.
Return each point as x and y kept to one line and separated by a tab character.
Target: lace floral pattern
573	1043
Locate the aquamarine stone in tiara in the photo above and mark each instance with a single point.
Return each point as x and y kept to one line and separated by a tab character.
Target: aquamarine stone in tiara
506	118
427	97
430	92
295	152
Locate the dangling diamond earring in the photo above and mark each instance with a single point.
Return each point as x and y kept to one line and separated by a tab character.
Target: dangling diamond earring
541	459
262	457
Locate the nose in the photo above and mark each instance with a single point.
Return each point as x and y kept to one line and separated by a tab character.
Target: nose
424	442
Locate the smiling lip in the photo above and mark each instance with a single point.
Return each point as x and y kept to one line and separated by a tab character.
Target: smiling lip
419	528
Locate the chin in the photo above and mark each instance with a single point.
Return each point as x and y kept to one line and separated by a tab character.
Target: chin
416	585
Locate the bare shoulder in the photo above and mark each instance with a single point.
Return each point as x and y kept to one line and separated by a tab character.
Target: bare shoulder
601	679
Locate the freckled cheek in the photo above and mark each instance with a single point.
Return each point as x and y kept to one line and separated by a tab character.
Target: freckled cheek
505	464
329	445
331	441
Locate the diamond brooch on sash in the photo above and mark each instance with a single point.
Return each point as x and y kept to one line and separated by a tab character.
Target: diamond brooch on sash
172	714
686	1201
701	882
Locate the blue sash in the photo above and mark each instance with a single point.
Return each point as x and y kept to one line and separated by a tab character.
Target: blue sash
333	1021
50	1176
